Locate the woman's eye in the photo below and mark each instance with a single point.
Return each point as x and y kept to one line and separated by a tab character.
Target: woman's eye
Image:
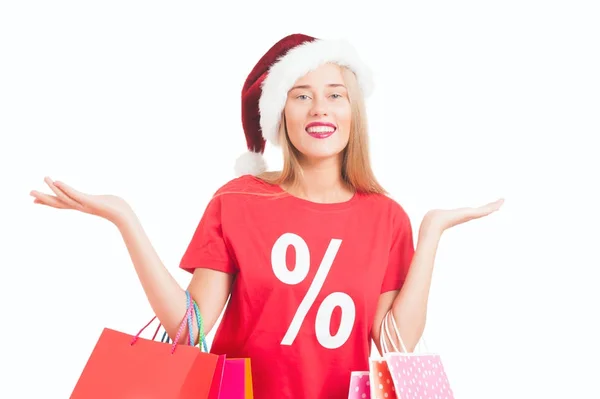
302	97
336	95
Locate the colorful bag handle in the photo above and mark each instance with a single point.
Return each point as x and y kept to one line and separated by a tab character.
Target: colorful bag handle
200	323
191	307
201	335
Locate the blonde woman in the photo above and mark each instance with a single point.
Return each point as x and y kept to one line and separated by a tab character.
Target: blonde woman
312	257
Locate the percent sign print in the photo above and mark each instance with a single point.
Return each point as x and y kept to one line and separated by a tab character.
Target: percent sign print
292	277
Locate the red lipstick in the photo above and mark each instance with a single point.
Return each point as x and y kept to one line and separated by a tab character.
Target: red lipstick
320	130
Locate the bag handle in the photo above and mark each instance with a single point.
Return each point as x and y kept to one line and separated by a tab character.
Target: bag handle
201	335
385	329
200	323
187	317
191	307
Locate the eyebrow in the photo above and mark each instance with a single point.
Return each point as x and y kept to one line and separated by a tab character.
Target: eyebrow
309	87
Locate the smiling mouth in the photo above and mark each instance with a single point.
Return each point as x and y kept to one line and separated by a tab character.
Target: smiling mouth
320	131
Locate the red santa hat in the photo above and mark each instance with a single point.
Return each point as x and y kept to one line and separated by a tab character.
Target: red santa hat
264	93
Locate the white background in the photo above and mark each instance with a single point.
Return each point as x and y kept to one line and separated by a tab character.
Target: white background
474	101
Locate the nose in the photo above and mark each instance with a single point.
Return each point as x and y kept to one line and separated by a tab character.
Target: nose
319	107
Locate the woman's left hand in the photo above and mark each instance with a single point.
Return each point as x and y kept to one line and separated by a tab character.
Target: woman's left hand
439	220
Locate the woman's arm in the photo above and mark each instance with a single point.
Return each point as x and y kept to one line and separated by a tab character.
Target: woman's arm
209	288
408	306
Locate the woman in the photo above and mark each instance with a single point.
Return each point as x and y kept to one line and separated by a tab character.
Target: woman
313	257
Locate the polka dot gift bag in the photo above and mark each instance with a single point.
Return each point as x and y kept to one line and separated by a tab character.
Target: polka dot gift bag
376	383
414	375
380	380
359	385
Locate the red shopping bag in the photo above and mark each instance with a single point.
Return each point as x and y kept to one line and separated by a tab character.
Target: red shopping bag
232	378
380	379
122	366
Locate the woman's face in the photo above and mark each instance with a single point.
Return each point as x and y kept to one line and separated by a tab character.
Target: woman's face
318	114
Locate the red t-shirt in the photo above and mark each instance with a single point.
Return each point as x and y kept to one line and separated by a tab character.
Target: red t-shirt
281	248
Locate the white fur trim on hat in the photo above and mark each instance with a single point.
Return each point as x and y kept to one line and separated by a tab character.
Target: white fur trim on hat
250	163
299	61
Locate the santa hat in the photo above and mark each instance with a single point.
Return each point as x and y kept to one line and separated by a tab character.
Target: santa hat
265	91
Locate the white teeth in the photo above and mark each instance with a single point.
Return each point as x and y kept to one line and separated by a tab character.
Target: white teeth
320	129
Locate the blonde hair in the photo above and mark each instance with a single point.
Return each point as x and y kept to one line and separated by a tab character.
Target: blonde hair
357	172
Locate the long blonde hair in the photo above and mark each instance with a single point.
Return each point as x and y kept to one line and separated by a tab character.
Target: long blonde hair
357	172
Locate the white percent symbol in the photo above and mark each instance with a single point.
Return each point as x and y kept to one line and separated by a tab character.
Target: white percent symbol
333	300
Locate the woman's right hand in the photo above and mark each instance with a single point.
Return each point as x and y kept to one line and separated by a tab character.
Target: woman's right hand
110	207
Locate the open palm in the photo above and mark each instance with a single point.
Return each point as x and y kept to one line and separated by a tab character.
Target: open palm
446	218
109	207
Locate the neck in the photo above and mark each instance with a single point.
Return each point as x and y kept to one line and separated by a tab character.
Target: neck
322	182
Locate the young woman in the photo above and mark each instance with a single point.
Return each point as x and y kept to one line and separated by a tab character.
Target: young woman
312	257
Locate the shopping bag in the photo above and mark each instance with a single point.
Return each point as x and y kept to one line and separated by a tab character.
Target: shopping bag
414	375
122	366
215	387
359	385
237	379
232	378
380	379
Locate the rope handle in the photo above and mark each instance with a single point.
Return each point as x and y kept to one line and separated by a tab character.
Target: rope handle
191	307
202	336
200	323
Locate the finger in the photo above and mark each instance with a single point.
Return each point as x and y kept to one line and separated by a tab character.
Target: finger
61	194
71	192
493	206
45	199
483	210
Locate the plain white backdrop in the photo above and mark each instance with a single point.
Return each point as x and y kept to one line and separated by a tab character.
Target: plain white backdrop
474	101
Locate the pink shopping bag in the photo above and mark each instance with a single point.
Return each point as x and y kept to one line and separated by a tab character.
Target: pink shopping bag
215	387
237	379
359	385
414	375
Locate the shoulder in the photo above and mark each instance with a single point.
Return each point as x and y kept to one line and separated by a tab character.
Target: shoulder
387	210
385	203
231	195
246	184
242	189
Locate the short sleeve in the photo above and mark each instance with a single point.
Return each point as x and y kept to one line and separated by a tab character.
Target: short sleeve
401	251
208	248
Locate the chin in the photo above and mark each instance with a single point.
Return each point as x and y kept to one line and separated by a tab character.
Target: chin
321	153
315	149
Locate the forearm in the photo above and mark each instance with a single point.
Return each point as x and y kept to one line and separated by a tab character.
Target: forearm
410	305
166	297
